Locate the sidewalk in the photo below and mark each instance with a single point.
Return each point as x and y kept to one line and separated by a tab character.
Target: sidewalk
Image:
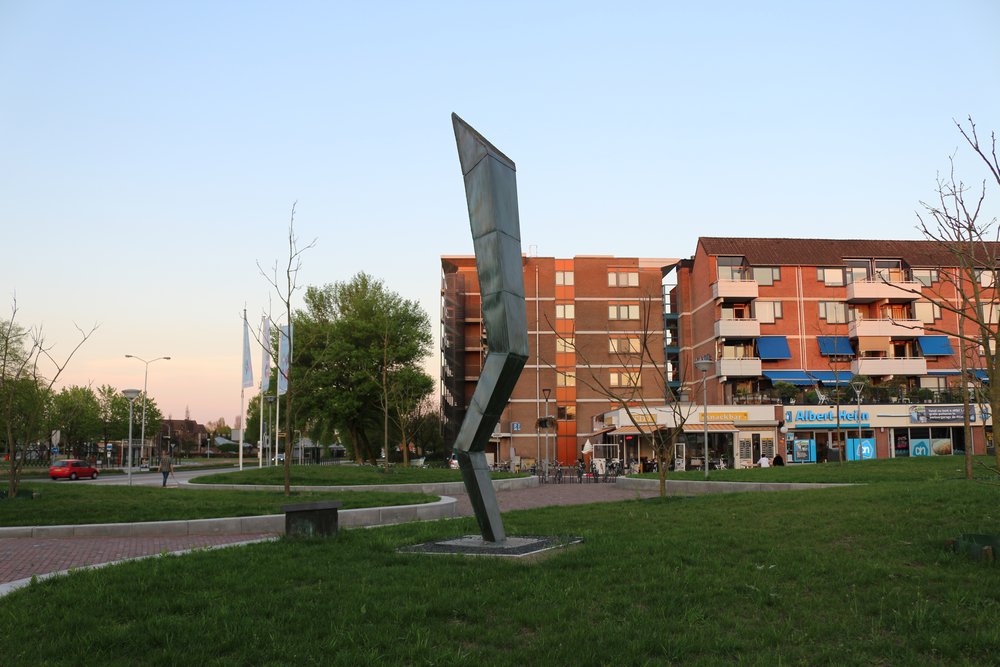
25	557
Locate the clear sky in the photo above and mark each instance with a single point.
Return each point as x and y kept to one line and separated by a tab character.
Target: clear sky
150	152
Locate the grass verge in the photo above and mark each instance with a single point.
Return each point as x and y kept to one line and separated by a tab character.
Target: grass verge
847	576
340	475
65	503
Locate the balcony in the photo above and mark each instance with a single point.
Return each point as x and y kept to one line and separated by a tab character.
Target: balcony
735	290
879	366
894	289
739	367
886	328
741	328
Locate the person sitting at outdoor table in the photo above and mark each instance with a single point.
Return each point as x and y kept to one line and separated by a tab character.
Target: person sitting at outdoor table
763	461
778	461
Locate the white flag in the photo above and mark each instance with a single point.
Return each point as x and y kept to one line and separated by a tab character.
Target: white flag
247	366
285	335
265	361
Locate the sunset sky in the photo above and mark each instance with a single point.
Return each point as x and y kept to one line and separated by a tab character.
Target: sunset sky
151	152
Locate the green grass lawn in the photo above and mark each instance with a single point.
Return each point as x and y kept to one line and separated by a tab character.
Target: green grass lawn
848	576
854	472
340	475
76	503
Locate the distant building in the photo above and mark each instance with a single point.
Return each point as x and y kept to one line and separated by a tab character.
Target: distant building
587	316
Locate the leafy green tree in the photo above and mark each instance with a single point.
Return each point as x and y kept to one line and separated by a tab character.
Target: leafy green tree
353	340
76	414
28	371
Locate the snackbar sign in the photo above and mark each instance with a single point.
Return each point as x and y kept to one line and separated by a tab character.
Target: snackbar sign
830	416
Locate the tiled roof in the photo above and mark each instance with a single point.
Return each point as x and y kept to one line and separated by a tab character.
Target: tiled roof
831	252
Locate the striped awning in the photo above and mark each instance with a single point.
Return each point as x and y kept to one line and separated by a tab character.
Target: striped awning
715	428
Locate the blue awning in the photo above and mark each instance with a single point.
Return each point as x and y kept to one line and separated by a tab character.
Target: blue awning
773	347
935	345
982	375
809	378
835	346
832	377
947	372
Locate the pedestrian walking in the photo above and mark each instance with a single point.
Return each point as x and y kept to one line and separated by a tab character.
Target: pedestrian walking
166	465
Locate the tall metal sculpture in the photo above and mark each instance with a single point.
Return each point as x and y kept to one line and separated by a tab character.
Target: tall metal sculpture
491	191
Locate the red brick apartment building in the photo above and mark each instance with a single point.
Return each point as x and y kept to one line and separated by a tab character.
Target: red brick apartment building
816	313
590	319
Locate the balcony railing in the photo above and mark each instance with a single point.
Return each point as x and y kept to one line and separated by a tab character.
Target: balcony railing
894	287
739	367
735	290
737	328
884	328
880	366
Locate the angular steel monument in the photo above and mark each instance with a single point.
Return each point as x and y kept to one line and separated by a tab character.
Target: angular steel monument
491	191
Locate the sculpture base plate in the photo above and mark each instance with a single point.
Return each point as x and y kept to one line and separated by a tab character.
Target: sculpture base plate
512	547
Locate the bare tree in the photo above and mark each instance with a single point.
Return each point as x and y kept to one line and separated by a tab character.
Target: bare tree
26	389
285	286
638	356
956	222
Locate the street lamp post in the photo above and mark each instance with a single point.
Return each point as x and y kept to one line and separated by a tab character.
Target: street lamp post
131	395
145	379
545	467
704	365
858	387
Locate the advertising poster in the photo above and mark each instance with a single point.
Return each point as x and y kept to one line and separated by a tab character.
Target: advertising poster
920	447
860	450
805	451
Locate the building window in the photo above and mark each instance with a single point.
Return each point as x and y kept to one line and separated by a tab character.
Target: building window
766	312
565	379
889	270
731	268
625	379
566	412
766	275
926	312
623	311
623	278
989	312
986	277
925	277
830	276
565	345
858	270
564	277
624	346
834	312
565	311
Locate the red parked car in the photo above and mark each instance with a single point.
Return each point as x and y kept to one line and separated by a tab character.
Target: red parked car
72	469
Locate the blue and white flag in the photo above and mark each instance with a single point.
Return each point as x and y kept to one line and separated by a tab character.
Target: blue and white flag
247	366
265	361
284	357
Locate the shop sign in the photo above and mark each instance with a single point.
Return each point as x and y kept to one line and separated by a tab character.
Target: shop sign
922	414
724	416
824	416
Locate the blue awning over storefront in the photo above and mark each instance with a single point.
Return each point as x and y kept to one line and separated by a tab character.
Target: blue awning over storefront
832	377
835	346
809	378
982	375
933	346
947	372
791	377
773	347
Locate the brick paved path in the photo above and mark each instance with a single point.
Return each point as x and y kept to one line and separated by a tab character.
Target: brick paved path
24	557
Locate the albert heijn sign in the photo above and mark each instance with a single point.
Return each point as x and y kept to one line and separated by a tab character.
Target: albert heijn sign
824	417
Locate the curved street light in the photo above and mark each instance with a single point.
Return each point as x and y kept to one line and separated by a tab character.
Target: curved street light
145	379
